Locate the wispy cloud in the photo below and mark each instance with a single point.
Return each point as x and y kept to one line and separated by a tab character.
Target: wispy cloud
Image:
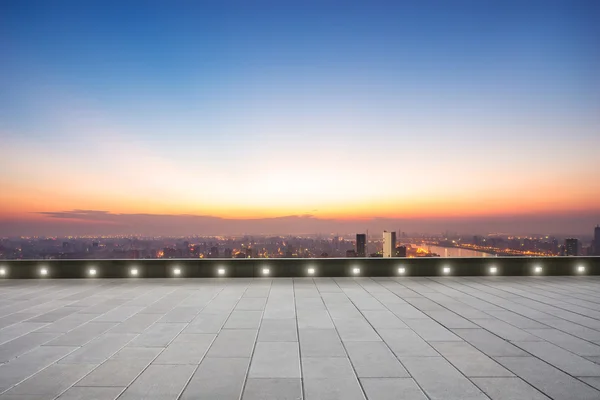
91	222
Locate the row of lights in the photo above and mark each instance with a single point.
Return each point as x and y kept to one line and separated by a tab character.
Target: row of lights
493	270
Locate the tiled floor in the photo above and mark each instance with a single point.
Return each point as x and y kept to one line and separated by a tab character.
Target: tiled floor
504	338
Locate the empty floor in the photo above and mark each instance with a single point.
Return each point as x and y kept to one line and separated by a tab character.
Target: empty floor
322	338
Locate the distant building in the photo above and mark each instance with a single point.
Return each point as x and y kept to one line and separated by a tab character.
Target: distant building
214	252
389	244
571	247
351	253
401	251
596	243
361	245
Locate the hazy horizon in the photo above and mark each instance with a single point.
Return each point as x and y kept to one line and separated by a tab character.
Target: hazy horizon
89	223
167	118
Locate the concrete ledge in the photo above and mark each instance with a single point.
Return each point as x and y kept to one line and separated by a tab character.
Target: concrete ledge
282	267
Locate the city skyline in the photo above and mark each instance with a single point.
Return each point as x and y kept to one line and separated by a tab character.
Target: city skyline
298	118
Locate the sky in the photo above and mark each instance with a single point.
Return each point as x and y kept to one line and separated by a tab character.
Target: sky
298	116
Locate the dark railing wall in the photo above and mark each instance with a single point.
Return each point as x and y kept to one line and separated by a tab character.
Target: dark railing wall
286	267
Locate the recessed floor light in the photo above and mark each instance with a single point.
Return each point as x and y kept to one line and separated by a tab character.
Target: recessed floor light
92	272
134	272
446	270
221	271
266	271
401	271
356	271
311	271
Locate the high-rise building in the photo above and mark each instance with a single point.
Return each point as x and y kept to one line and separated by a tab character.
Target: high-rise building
597	240
361	245
571	247
389	244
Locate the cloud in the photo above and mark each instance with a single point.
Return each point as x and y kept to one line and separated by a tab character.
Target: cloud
89	215
102	222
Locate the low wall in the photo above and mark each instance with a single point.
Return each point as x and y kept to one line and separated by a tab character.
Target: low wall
287	267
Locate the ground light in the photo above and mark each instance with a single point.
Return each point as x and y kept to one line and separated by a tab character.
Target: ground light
2	271
538	269
133	272
221	271
446	270
266	271
44	272
92	272
401	270
493	270
356	271
581	269
176	271
310	271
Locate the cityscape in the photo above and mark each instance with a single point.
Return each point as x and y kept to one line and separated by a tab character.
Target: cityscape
299	200
387	244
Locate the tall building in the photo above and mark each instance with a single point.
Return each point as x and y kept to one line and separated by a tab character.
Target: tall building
597	240
571	247
361	245
389	244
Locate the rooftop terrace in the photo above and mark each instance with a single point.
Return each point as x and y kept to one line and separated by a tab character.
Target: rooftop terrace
379	338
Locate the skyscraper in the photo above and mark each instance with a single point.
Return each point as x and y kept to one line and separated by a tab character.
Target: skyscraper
389	244
571	247
361	245
597	240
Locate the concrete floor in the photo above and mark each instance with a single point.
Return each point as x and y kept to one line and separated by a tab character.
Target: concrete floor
504	338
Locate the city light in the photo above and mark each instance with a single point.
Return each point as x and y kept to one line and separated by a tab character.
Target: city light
581	269
43	271
176	271
493	270
538	269
92	272
221	271
356	271
446	270
2	272
134	272
266	271
311	271
401	270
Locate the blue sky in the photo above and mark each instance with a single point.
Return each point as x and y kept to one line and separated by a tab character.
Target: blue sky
270	94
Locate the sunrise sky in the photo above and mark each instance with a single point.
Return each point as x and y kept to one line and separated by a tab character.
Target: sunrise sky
460	112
